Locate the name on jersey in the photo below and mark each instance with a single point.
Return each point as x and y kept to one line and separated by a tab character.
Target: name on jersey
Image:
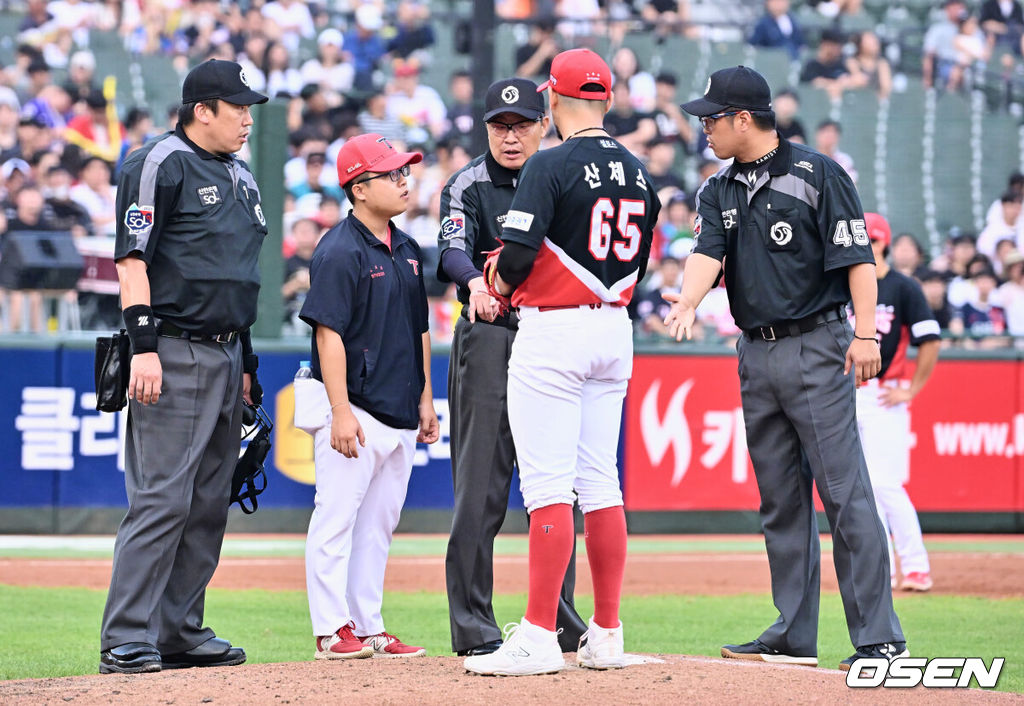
520	220
209	195
452	226
616	172
138	219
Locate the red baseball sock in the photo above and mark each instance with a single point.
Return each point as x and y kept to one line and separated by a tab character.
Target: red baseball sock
551	532
605	534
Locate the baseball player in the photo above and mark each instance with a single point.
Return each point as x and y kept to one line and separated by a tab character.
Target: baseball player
473	206
577	239
189	230
788	224
902	318
371	350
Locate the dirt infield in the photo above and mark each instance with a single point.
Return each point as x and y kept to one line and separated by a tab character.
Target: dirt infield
442	680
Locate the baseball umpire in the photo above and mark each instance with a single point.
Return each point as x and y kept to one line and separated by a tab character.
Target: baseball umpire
189	231
473	207
788	224
902	318
577	238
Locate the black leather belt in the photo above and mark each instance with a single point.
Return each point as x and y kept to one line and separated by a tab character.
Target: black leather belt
795	327
166	328
509	320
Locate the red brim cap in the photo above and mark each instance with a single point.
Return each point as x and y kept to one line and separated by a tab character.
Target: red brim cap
573	69
371	153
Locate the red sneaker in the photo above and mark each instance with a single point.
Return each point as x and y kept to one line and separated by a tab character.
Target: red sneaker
342	645
387	645
917	581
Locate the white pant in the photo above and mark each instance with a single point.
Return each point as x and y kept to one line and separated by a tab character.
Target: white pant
885	436
567	379
357	507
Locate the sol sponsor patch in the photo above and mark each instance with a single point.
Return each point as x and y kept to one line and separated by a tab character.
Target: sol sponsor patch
138	219
520	220
452	226
209	195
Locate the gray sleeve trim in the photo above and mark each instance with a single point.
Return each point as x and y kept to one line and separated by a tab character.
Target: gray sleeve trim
148	179
457	207
794	186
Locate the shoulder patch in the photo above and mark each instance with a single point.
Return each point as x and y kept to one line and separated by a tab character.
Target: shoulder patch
138	219
804	164
451	227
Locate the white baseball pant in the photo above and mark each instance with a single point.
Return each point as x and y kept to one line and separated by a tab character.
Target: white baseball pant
885	435
357	507
567	378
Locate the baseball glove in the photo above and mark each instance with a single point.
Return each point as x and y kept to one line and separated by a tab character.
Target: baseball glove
490	275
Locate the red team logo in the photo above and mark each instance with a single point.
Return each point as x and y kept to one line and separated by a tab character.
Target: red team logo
415	265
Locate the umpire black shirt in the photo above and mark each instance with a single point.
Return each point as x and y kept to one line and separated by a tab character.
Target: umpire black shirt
375	300
195	219
787	239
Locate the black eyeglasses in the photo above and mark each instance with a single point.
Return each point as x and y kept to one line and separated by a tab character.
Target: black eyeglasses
394	175
708	120
521	129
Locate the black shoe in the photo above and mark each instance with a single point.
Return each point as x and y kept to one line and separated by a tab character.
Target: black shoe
570	630
215	652
886	650
758	651
484	649
130	658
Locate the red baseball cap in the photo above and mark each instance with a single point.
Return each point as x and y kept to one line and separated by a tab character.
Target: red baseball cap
371	153
572	70
878	228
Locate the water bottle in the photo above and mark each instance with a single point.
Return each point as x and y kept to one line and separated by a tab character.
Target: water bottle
307	405
305	370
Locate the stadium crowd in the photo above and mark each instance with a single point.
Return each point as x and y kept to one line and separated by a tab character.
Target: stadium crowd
346	67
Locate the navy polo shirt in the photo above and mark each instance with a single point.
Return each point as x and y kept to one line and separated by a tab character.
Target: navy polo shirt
375	300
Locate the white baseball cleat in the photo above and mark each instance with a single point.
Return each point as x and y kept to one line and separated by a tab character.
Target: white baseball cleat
528	649
601	648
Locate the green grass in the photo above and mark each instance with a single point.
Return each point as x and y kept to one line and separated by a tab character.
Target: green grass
275	627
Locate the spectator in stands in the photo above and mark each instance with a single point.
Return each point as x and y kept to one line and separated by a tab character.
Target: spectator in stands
906	254
1005	227
76	17
533	59
954	262
972	50
934	284
81	75
30	214
203	28
940	53
329	70
661	161
623	122
787	104
778	28
417	106
330	212
39	77
66	213
667	16
49	107
867	67
96	194
293	19
827	70
375	118
707	168
981	314
314	181
34	136
365	46
673	125
460	112
15	173
413	31
37	16
138	128
832	9
675	229
826	141
1003	249
642	89
98	132
1011	292
652	308
10	108
1003	22
305	234
283	79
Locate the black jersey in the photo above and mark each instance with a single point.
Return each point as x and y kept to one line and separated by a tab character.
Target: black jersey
902	318
588	207
787	238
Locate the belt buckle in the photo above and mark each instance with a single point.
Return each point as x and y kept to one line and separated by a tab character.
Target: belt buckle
770	330
224	337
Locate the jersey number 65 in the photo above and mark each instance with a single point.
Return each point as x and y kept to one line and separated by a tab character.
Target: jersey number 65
627	244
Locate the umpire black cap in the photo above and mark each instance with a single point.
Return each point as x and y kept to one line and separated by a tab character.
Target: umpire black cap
736	87
514	95
217	78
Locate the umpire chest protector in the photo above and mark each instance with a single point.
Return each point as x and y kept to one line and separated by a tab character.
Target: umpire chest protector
787	230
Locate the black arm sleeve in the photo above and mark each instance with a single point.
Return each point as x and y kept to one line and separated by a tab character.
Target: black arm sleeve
458	267
515	263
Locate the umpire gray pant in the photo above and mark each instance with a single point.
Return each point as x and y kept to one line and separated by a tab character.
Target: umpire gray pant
483	455
180	454
800	412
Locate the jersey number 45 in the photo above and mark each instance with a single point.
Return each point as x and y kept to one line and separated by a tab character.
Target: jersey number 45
627	244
